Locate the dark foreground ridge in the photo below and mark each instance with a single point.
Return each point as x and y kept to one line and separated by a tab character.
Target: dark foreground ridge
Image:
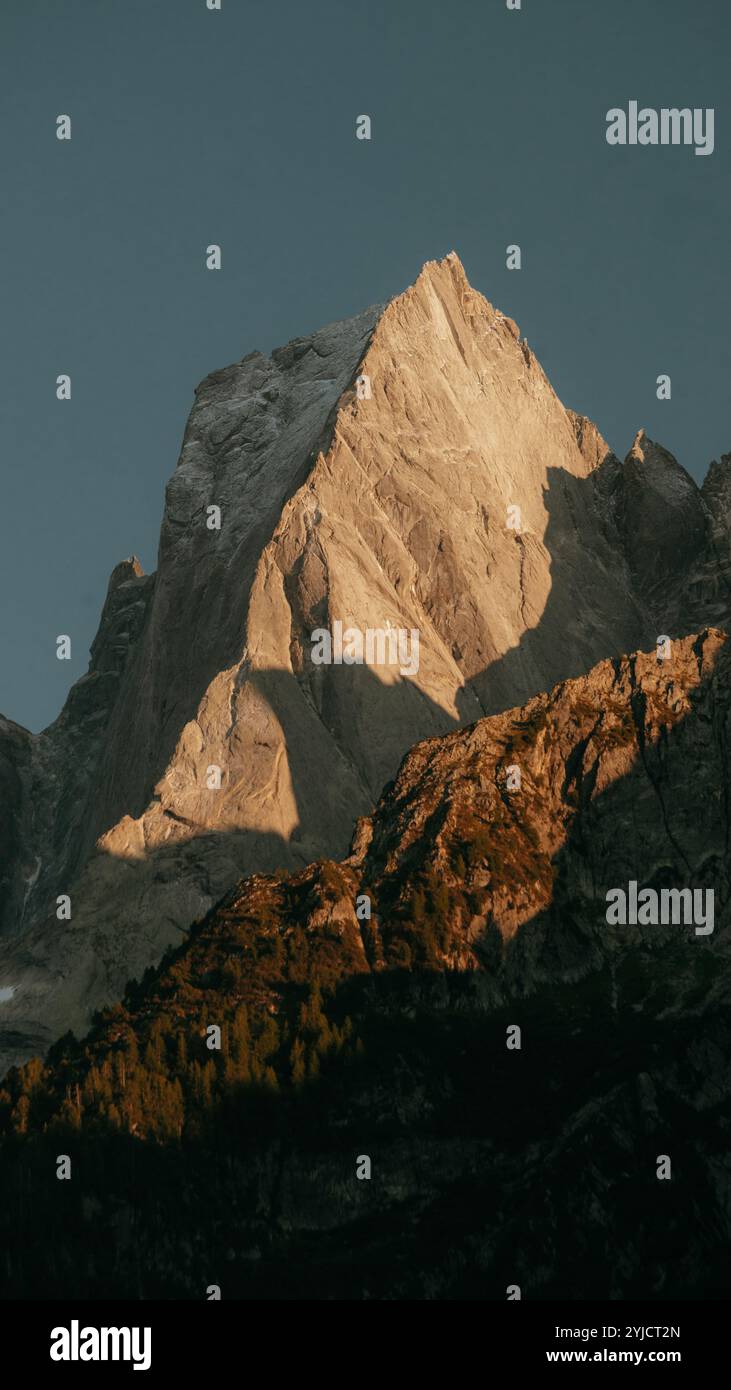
347	1037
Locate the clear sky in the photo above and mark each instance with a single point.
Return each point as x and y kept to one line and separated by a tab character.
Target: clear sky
238	127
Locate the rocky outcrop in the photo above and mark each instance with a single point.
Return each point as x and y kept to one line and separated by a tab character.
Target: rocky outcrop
449	1003
410	469
623	775
675	536
664	525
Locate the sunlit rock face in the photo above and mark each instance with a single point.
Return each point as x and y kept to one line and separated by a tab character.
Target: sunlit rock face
409	469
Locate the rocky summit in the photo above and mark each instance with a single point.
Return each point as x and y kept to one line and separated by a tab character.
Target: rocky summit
409	470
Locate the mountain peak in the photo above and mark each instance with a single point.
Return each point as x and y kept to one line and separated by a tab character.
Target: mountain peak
408	471
646	451
653	466
446	265
124	571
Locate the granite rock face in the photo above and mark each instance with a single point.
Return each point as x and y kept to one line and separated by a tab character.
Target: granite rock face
623	776
409	469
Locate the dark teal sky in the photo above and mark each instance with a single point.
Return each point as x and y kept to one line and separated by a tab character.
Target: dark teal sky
191	127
